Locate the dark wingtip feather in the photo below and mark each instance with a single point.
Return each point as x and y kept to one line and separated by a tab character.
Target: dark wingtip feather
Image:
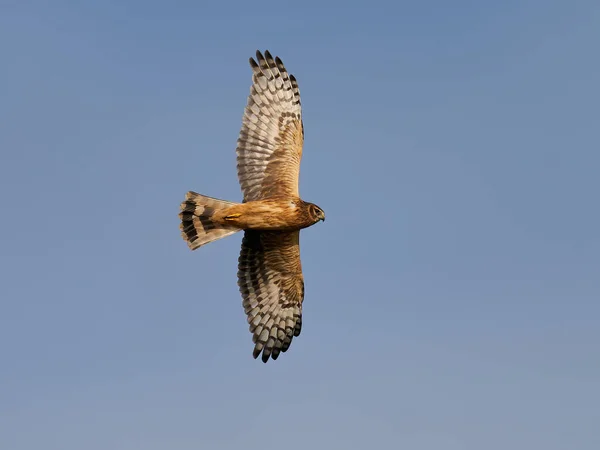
275	354
298	327
258	348
265	356
270	60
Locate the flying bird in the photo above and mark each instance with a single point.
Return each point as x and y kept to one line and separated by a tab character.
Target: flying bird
269	150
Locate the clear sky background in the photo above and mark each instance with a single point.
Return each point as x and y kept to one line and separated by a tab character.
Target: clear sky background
452	295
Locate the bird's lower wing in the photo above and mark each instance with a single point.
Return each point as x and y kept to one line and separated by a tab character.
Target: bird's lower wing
272	287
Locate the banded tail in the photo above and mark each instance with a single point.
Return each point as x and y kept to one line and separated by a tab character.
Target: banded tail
198	227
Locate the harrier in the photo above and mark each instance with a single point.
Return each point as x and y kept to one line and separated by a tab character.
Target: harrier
269	150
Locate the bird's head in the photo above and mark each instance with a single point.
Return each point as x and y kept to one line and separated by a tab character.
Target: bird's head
316	213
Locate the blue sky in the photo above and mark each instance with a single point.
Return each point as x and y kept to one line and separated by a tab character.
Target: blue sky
451	295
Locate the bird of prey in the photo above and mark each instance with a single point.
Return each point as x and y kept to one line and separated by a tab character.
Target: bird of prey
269	150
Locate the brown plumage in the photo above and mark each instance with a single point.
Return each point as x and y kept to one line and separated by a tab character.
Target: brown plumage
269	151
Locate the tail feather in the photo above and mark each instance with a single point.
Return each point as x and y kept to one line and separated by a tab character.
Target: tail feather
197	225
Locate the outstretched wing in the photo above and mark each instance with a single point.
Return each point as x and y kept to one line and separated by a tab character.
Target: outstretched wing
272	286
269	148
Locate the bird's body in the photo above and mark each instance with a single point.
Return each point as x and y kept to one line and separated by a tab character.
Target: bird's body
285	214
272	213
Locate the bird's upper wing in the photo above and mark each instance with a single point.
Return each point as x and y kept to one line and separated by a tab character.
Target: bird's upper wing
272	287
269	148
